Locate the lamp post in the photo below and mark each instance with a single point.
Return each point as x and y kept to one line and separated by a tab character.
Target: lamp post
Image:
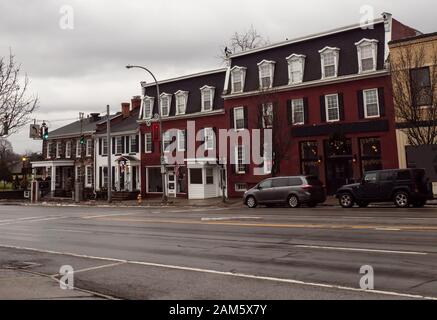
163	167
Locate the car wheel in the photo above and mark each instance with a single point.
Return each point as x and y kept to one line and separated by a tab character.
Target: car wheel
419	204
346	200
251	202
401	199
312	204
293	201
362	204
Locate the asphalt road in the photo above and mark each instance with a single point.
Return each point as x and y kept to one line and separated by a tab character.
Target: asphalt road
228	253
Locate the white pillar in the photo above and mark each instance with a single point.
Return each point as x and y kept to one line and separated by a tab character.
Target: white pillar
53	180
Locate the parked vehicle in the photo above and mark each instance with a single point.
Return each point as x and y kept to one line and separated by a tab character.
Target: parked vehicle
293	191
404	187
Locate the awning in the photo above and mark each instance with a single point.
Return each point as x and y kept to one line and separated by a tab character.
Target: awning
52	163
128	159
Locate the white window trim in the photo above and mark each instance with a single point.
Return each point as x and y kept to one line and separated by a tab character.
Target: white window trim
49	144
103	146
121	144
205	131
58	149
326	107
235	118
242	159
131	138
87	145
365	42
243	78
169	96
290	59
143	111
87	183
68	149
323	52
180	134
78	149
147	134
365	103
184	94
207	89
240	189
292	112
271	65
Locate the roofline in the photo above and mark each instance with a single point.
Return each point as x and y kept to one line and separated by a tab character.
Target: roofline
418	37
305	38
188	76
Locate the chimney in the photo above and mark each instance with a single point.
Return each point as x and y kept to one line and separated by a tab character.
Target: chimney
125	107
94	117
136	102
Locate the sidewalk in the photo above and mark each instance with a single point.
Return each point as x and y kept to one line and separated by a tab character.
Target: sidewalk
17	284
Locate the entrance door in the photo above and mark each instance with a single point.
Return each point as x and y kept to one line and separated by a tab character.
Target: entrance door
338	173
121	178
171	183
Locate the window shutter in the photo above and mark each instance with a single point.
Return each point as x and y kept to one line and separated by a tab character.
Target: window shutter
305	110
137	147
100	177
185	135
113	177
289	112
322	109
381	100
153	146
231	118
246	118
100	146
127	146
341	106
260	116
123	145
360	100
113	145
214	129
246	168
143	143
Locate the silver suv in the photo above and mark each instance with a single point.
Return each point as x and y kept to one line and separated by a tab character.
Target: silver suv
293	191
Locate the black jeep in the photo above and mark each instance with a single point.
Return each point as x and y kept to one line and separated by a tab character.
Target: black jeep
404	187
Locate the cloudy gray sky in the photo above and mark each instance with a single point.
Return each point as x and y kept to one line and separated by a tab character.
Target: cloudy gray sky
82	69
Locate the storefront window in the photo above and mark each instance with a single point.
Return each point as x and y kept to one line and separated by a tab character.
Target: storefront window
370	149
196	176
309	158
154	179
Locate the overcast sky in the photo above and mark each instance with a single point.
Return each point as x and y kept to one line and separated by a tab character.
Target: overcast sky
82	69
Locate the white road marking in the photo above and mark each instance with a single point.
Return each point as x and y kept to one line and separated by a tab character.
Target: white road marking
232	274
387	229
229	218
109	215
20	219
34	220
69	230
360	249
97	267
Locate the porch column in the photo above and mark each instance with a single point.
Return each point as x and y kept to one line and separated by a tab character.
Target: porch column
53	181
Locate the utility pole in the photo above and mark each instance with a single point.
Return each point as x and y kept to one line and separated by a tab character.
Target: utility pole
109	152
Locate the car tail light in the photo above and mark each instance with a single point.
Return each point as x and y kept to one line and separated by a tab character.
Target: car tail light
306	186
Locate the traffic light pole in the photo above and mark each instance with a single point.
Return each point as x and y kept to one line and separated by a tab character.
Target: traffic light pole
108	143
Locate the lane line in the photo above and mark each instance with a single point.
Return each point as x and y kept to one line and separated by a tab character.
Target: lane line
108	215
34	220
229	218
360	249
95	268
231	274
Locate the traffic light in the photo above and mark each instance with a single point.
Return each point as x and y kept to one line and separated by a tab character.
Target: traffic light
155	132
82	140
45	135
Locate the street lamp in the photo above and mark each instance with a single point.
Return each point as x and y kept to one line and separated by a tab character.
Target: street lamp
163	168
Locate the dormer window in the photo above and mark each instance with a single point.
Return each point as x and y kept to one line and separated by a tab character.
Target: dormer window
165	104
329	58
296	67
266	71
148	107
238	76
367	55
207	94
181	101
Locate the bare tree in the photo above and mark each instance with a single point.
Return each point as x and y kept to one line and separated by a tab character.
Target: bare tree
15	104
243	41
5	149
414	93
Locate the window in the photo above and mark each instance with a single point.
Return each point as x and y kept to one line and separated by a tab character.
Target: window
167	140
309	158
78	173
240	187
332	108
209	138
207	93
181	102
240	166
196	176
133	144
89	147
329	61
119	145
296	66
68	149
181	140
297	111
386	176
148	142
280	182
367	55
78	149
238	75
49	147
58	149
88	176
370	177
266	71
265	184
421	87
403	175
104	146
165	104
105	177
209	175
267	115
148	107
239	121
371	103
370	149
